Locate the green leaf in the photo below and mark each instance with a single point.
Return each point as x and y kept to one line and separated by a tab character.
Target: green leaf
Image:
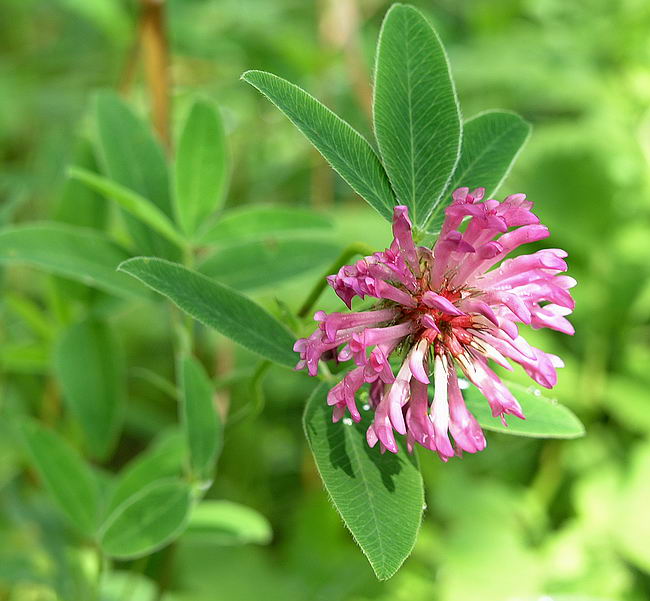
263	221
226	523
66	477
147	521
416	114
216	306
79	205
344	148
79	253
380	497
130	201
201	167
131	156
545	418
201	422
162	460
491	142
267	262
34	316
89	365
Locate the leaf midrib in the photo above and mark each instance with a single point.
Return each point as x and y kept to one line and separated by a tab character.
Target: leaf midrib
370	494
122	509
296	91
407	43
254	333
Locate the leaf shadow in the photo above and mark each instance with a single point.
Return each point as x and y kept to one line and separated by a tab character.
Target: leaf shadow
388	464
335	438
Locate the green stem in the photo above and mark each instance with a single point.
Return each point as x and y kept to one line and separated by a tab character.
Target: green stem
102	568
255	406
234	376
157	381
165	577
256	386
188	261
356	248
183	324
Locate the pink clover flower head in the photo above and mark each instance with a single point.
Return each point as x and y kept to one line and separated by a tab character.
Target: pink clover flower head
457	306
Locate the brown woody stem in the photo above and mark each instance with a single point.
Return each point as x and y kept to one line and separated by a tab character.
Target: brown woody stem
156	63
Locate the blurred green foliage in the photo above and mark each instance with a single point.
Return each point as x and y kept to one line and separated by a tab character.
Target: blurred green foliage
526	519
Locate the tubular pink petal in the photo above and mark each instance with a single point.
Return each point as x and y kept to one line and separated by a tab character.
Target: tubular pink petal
396	397
334	322
489	352
464	428
481	307
418	421
397	418
338	411
429	322
489	250
565	281
509	327
417	361
403	237
499	397
440	408
371	436
435	301
384	429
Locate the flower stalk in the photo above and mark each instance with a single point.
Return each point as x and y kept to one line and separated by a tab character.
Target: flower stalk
356	248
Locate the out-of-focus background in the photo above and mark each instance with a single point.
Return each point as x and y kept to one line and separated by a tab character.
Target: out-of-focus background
525	520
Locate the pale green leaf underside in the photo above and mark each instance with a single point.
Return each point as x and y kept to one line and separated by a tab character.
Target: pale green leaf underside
200	420
216	306
79	253
162	460
226	523
343	147
491	142
201	169
148	520
131	156
416	115
267	262
90	370
380	497
133	203
66	477
545	418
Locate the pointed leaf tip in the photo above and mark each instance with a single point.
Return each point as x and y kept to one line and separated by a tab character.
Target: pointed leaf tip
216	306
380	497
345	149
416	112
